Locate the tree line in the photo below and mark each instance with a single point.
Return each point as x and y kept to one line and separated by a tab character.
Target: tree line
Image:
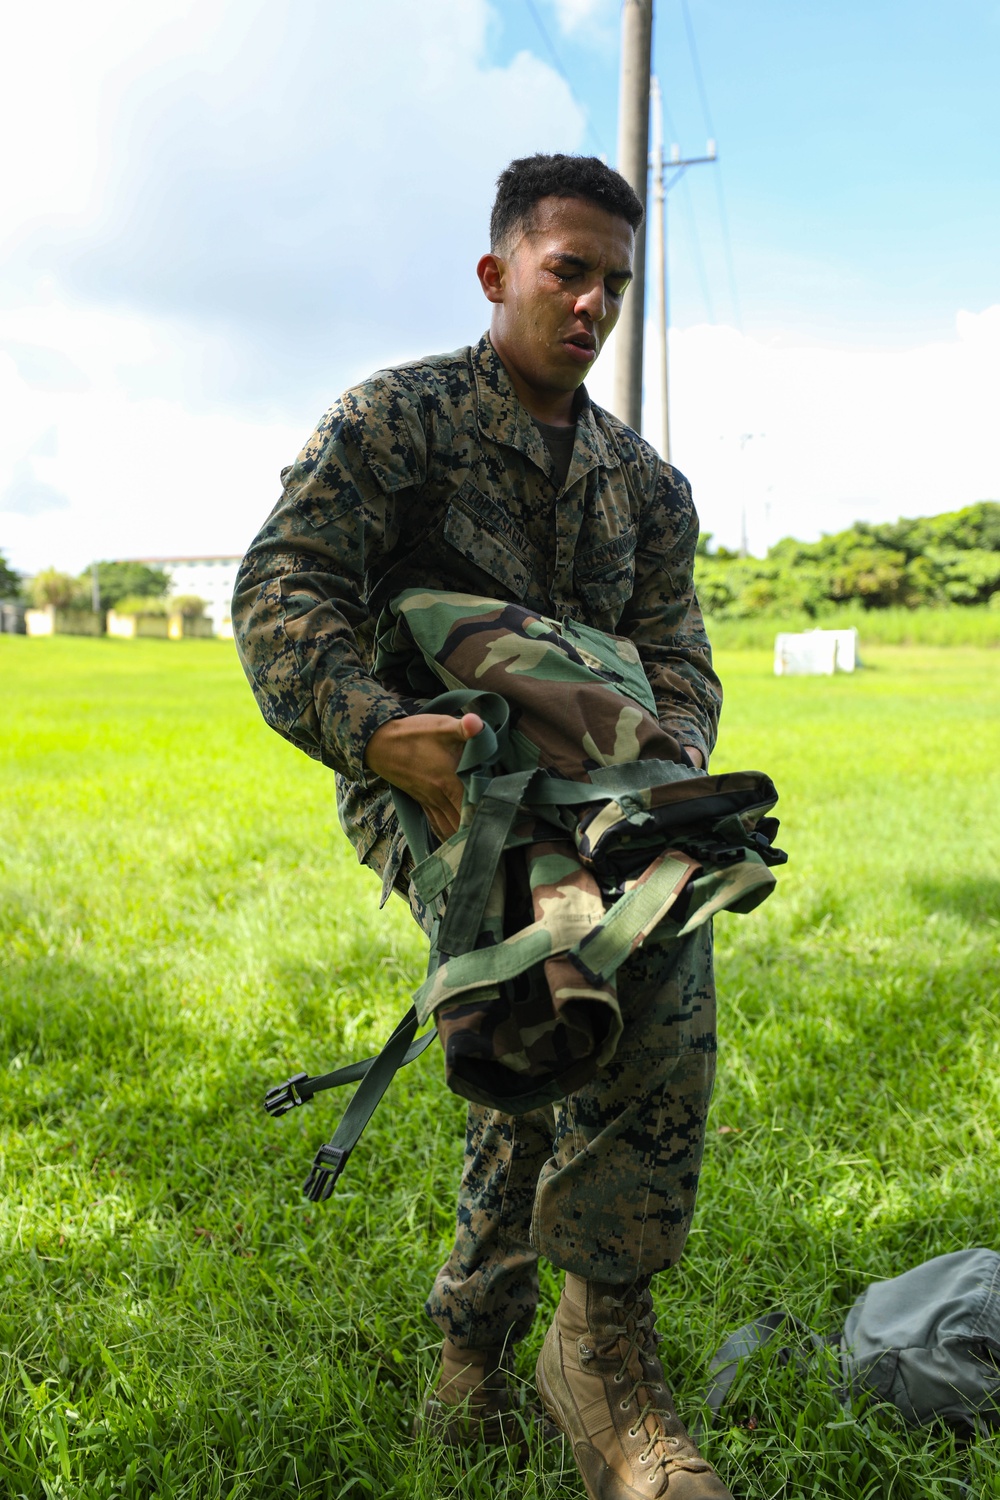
953	558
129	587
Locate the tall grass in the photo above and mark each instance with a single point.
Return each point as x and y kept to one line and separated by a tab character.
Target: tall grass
182	924
952	625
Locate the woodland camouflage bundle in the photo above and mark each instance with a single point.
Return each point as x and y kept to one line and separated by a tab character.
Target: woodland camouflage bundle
583	834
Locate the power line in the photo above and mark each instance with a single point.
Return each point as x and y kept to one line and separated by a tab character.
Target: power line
678	165
699	257
557	60
710	128
668	119
692	218
696	65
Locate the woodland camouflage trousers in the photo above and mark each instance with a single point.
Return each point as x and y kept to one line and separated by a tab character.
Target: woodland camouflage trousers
602	1183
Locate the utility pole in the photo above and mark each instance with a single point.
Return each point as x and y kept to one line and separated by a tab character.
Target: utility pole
745	437
678	165
633	164
660	256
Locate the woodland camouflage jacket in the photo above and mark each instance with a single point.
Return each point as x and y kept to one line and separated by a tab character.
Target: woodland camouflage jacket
433	474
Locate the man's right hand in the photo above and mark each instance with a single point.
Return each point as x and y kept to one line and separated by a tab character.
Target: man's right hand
420	755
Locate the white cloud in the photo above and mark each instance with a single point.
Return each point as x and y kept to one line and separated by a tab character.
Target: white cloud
98	471
229	210
226	212
838	435
810	439
27	494
596	17
307	186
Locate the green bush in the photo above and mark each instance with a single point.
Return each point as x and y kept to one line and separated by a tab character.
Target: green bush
52	589
188	605
126	580
939	561
10	582
141	604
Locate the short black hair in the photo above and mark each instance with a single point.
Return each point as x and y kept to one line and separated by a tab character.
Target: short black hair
528	179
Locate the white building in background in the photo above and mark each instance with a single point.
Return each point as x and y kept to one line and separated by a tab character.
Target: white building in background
211	578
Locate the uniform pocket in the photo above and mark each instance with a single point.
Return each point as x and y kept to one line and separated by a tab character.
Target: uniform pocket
604	576
485	536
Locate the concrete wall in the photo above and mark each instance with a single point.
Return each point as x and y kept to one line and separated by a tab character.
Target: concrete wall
12	618
127	627
63	622
178	627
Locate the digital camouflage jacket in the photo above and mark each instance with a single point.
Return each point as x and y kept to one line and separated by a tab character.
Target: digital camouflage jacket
433	474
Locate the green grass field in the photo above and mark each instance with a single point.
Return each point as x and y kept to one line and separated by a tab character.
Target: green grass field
182	924
944	625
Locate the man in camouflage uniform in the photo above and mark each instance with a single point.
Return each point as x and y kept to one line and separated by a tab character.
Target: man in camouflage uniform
490	472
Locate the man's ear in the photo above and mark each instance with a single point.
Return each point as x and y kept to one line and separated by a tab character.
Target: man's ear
492	273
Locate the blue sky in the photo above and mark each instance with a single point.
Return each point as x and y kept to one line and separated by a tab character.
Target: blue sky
859	151
221	213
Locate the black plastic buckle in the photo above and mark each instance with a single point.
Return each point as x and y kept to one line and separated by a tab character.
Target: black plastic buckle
763	837
282	1098
330	1162
727	857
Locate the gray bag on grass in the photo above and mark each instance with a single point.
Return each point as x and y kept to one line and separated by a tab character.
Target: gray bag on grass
927	1342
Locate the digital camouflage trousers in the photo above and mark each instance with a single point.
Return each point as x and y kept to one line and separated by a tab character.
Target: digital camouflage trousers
602	1183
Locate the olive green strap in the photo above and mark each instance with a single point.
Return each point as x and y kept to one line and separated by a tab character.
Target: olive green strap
633	914
602	951
488	835
331	1159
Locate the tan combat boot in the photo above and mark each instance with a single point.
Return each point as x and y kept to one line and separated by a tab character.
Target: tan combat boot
601	1382
472	1402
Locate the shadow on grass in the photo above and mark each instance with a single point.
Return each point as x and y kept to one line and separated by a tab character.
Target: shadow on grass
63	1020
973	898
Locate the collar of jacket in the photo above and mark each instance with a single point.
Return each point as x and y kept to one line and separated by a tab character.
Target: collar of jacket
502	417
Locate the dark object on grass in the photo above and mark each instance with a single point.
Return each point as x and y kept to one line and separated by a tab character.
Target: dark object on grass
926	1342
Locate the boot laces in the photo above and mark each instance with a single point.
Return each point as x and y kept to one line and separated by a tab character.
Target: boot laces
638	1335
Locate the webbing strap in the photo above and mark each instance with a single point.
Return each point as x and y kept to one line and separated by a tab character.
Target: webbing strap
331	1159
301	1087
413	822
488	834
638	775
483	749
633	913
606	784
487	966
739	1347
496	800
622	922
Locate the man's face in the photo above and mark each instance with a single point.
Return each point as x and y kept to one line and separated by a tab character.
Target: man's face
557	293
